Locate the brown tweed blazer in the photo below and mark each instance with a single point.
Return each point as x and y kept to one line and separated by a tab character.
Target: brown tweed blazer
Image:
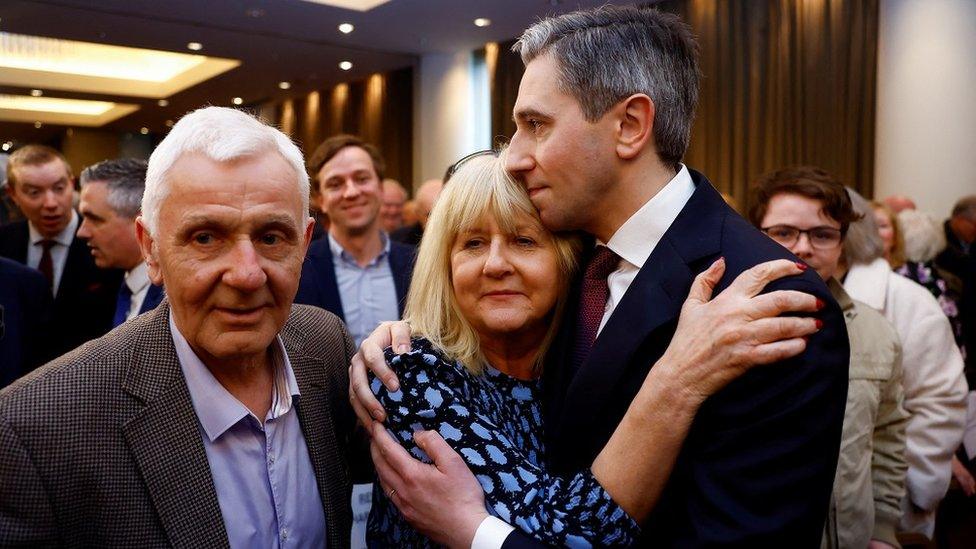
102	448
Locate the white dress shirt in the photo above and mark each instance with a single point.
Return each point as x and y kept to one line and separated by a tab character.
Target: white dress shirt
137	279
59	252
634	242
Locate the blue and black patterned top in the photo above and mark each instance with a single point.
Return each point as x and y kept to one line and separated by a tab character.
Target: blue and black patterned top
495	422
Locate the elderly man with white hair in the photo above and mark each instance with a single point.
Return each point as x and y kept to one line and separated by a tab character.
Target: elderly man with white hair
220	418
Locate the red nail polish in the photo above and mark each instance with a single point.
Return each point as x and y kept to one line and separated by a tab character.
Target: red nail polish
802	266
820	304
819	323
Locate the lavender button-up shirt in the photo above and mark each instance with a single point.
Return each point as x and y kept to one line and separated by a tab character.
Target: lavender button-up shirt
261	469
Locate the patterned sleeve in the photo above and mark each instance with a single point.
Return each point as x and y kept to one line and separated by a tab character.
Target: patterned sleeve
435	395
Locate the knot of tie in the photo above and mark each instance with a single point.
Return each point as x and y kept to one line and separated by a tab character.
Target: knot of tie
603	262
48	244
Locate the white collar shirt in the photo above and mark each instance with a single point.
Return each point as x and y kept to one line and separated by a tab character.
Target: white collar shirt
636	239
137	279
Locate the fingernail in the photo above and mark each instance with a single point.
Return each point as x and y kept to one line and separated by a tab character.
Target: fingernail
819	323
802	266
820	304
403	348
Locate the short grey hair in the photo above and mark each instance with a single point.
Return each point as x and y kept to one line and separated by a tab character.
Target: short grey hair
607	54
923	235
125	180
862	243
965	207
221	134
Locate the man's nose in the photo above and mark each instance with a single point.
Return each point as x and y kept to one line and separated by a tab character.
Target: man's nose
245	272
519	157
350	189
803	247
50	199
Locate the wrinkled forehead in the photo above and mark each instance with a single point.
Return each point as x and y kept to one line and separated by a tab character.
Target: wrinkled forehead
42	173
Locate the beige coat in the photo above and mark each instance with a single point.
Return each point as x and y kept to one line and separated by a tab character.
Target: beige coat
870	479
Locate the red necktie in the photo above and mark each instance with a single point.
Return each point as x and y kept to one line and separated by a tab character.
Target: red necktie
593	301
46	266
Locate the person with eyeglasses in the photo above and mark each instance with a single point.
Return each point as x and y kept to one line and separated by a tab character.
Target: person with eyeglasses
808	211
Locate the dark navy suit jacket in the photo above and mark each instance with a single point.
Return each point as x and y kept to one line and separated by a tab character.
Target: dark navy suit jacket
319	287
85	302
758	465
25	306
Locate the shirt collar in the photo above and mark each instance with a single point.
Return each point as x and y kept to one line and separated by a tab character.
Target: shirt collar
216	408
64	238
137	278
639	235
339	251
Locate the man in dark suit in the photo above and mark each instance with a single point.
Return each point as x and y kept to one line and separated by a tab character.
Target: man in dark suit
111	193
25	303
603	116
356	272
41	184
220	419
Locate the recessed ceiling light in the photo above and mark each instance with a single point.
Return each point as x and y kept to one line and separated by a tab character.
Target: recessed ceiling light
36	93
144	130
169	123
255	13
6	146
237	101
162	103
38	125
284	85
64	112
35	62
346	28
345	65
194	46
482	22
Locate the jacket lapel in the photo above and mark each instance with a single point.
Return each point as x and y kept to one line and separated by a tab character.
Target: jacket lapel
154	295
315	417
401	264
165	440
325	278
653	301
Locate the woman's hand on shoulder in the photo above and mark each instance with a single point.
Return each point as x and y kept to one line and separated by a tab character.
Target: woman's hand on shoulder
370	357
718	339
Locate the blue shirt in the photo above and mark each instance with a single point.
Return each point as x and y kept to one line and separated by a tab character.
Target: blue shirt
368	294
263	475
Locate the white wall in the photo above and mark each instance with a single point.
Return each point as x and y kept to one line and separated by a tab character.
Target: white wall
451	112
926	117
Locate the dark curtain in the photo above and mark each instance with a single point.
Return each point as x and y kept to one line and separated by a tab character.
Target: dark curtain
784	82
504	73
378	109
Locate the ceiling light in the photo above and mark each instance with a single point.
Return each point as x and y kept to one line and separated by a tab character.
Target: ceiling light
6	146
144	130
346	28
255	13
482	22
357	5
67	112
345	65
38	125
194	46
237	101
36	93
284	85
162	103
53	64
169	123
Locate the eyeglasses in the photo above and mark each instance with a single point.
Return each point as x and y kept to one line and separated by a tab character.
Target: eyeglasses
457	165
821	238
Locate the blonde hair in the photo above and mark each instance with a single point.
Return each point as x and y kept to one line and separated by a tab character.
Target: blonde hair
480	187
896	258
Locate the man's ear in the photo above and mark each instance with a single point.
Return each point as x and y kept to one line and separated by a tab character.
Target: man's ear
309	229
635	125
149	252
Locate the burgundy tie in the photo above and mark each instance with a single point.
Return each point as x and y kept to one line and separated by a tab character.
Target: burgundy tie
46	266
593	301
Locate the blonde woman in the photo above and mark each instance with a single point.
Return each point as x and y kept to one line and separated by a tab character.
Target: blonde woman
488	289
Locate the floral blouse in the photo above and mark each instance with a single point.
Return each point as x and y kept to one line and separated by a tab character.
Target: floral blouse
494	422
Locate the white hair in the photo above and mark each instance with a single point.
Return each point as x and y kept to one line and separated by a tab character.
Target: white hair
221	134
923	235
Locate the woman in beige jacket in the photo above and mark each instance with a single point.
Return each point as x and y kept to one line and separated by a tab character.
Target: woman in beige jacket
808	211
